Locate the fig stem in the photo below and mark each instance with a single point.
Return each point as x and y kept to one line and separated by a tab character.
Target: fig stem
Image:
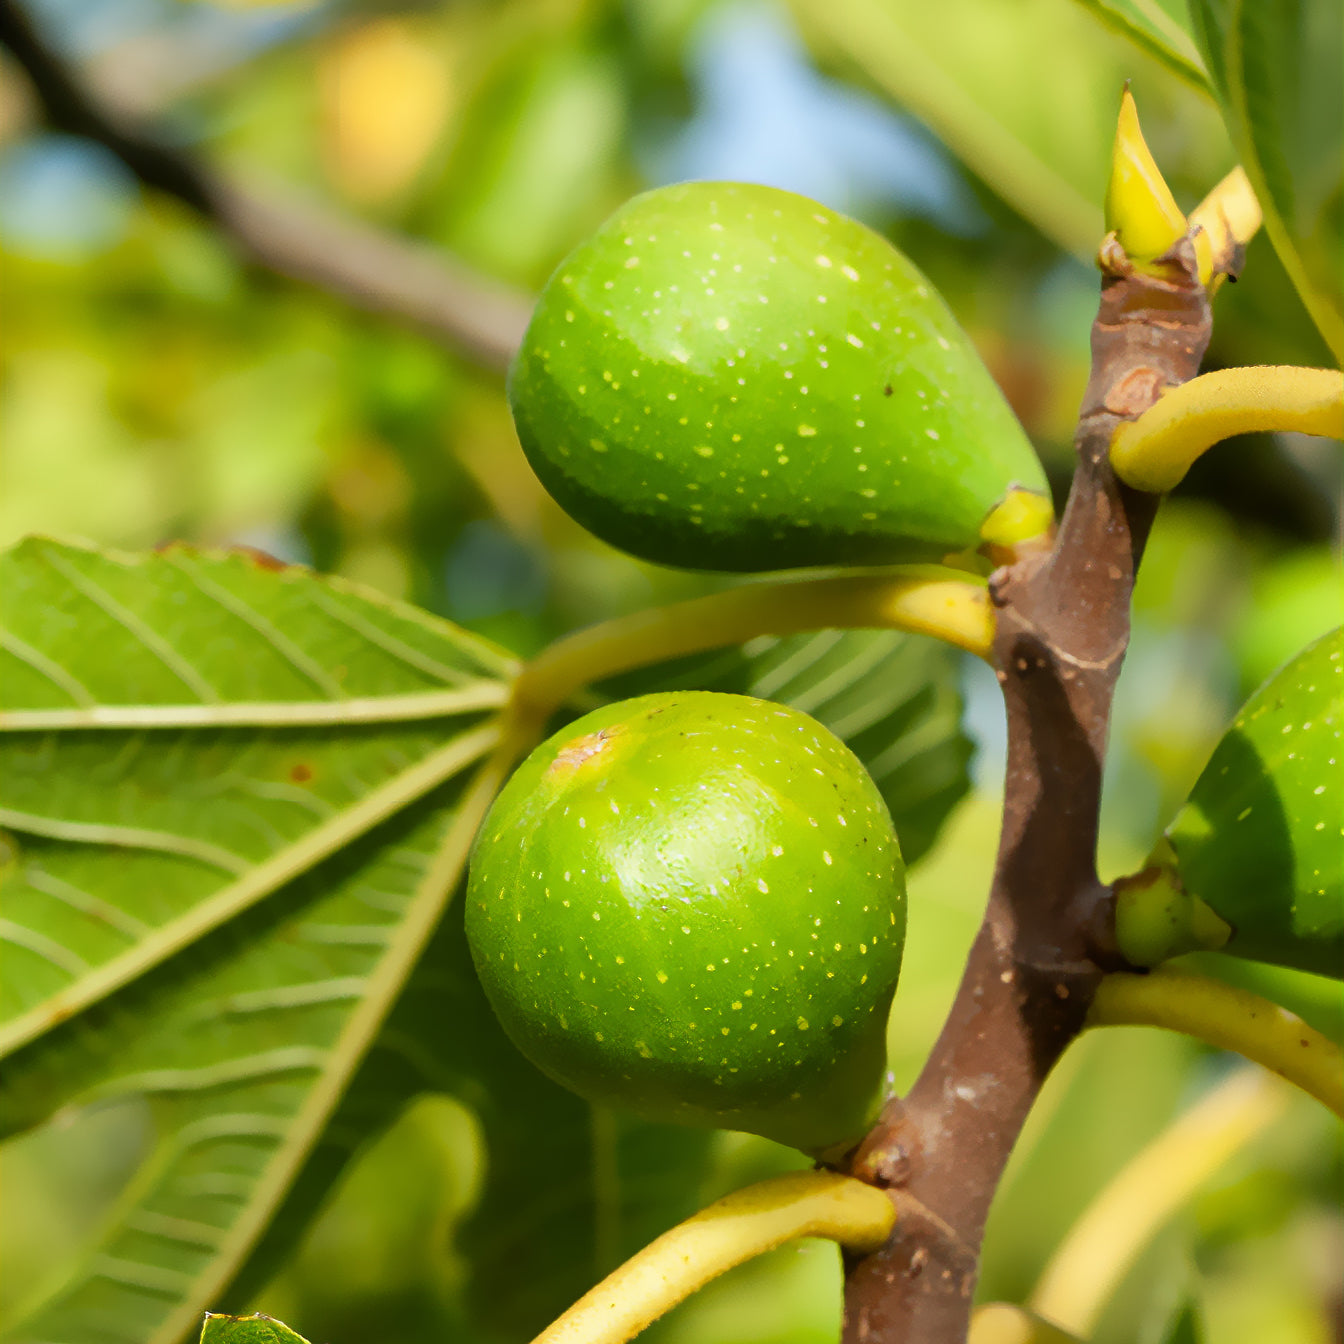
1157	919
728	1232
1106	1240
1229	1018
1004	1323
1153	452
924	600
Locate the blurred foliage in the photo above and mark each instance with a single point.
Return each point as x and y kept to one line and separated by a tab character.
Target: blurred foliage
155	387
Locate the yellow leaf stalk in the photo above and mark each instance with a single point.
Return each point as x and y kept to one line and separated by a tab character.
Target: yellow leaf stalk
921	599
1229	1018
1154	452
729	1232
1023	516
1004	1323
1124	1217
1141	212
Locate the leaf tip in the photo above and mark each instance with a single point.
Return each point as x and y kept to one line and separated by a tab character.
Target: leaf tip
1140	209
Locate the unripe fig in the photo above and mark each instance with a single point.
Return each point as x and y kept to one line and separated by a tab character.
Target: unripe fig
733	377
1259	839
692	905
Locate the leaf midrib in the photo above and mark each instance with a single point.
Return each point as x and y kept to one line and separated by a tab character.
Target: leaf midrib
259	881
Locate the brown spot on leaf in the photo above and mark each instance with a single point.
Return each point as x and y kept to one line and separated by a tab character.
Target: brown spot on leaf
262	559
301	772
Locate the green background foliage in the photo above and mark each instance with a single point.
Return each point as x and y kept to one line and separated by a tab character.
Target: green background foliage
281	1038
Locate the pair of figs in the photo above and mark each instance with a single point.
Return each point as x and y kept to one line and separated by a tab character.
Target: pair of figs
692	905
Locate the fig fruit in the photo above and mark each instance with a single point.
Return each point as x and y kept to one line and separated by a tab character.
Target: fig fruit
692	905
733	377
1258	841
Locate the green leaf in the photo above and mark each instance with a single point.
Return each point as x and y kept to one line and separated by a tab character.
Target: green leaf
1005	129
243	1048
182	733
1276	71
1159	27
891	697
235	817
1186	1325
247	1330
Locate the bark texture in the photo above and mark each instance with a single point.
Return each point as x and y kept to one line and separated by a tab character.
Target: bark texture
1047	935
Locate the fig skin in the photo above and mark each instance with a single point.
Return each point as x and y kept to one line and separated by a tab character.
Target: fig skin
692	906
1259	840
732	377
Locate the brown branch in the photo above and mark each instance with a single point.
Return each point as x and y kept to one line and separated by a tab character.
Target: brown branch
1063	628
380	272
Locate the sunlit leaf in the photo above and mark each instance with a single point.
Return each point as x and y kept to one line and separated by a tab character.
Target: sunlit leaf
968	91
1161	28
247	1330
181	734
234	815
1277	73
243	1046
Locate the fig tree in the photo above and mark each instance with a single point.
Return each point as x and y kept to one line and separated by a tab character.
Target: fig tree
1259	839
691	906
733	377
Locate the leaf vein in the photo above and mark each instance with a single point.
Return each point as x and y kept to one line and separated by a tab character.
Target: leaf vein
85	902
296	657
40	945
128	837
149	638
389	643
158	1082
287	996
134	1274
48	668
186	1231
470	696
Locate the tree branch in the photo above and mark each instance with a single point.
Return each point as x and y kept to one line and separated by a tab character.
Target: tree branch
1047	937
392	276
728	1232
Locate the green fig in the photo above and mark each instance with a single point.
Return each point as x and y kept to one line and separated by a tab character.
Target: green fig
733	377
692	906
1259	841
